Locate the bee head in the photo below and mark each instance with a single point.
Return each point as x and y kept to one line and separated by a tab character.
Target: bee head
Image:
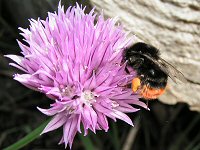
141	48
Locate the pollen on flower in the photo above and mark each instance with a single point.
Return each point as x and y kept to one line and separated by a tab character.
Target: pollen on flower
67	91
85	67
71	110
114	104
88	97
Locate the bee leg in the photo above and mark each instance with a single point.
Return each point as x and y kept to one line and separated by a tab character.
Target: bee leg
127	71
125	86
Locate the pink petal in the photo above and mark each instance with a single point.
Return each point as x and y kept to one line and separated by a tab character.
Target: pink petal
15	58
55	123
121	95
91	83
104	91
17	66
104	110
126	108
121	116
52	111
26	80
90	117
103	122
69	130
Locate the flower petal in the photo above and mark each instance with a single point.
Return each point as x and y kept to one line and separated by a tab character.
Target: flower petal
52	111
15	58
103	122
57	121
121	116
69	130
90	116
126	108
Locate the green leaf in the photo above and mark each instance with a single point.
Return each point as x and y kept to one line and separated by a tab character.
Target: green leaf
87	142
28	138
115	136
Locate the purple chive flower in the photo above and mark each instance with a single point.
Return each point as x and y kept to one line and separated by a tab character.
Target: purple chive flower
77	63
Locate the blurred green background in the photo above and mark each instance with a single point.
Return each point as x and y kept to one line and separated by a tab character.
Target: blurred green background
165	127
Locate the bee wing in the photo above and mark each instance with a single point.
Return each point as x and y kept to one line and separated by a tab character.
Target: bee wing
169	69
173	73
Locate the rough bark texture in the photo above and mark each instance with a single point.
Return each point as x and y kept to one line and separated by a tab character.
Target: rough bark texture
173	26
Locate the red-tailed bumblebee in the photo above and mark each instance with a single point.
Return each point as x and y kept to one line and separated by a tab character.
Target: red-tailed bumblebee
152	71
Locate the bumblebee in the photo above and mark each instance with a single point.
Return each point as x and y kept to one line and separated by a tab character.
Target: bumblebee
152	71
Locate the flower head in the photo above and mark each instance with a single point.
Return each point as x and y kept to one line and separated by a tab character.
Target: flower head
77	63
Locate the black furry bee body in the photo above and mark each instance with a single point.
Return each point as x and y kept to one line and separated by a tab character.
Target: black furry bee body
152	71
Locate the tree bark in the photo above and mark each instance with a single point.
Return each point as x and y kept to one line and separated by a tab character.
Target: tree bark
173	26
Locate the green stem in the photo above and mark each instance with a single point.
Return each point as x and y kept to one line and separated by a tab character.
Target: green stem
87	142
28	138
115	136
